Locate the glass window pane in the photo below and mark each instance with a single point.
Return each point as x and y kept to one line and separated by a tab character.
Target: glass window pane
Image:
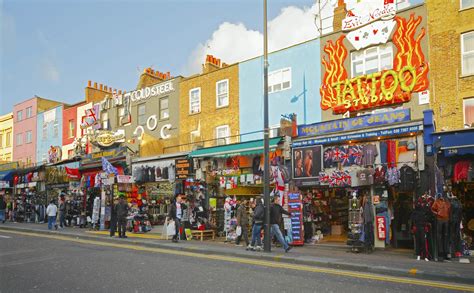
469	111
467	3
164	103
358	68
277	87
371	64
468	64
386	61
286	75
468	42
286	84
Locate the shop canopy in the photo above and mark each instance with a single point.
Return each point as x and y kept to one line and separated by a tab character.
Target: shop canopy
454	143
6	176
238	149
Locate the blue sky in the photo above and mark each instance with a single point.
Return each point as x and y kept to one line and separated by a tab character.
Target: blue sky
51	48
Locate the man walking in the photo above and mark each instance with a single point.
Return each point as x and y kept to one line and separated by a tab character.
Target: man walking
3	206
122	212
258	215
242	222
62	212
176	213
51	211
275	221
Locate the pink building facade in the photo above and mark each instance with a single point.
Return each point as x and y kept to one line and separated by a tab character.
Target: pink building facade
24	131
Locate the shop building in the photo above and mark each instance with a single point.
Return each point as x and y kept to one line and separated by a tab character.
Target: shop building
294	75
49	135
451	32
209	106
70	127
6	137
25	128
370	143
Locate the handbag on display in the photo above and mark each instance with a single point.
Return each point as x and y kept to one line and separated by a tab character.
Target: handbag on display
171	228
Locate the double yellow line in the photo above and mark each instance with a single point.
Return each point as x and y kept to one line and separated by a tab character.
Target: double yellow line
262	263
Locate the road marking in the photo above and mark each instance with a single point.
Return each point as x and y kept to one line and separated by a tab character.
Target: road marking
257	262
7	237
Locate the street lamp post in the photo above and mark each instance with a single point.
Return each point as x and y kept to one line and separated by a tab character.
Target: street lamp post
266	169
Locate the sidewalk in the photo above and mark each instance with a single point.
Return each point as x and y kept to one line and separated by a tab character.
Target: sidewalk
388	262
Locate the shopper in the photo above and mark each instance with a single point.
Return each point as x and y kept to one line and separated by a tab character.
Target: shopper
51	211
3	206
122	212
62	212
176	214
113	218
276	219
242	222
258	215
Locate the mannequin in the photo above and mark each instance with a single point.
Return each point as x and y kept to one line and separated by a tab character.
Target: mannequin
418	219
442	210
455	225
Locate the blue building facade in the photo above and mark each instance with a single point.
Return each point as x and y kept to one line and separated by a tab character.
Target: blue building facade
49	134
294	79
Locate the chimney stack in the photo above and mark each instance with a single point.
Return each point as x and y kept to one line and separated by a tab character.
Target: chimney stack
339	14
212	64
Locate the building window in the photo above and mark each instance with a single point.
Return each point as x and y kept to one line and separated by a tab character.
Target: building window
164	108
28	137
222	93
467	53
1	140
195	101
19	139
105	120
374	59
141	114
19	115
8	139
29	112
45	131
467	4
72	128
56	128
222	135
279	80
468	105
274	131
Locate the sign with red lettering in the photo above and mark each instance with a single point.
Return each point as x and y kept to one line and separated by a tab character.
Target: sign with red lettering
381	228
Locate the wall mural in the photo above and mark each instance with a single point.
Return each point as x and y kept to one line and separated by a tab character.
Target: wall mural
394	86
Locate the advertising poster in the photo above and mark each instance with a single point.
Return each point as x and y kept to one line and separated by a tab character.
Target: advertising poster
307	162
295	208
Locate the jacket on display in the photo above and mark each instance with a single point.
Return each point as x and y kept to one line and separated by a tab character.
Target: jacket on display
442	209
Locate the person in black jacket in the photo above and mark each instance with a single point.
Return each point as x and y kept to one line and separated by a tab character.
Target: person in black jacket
176	213
113	219
122	212
258	215
418	218
276	218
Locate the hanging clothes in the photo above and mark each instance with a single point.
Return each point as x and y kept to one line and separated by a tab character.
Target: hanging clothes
407	178
369	152
391	153
461	171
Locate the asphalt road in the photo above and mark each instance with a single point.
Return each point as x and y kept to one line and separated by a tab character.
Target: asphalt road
39	264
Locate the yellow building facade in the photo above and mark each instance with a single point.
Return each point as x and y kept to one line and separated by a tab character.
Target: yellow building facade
6	137
451	38
209	106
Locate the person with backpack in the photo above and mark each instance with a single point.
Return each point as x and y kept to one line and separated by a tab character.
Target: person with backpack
258	216
276	219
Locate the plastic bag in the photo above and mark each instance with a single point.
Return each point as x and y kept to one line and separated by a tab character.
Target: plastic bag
171	228
238	230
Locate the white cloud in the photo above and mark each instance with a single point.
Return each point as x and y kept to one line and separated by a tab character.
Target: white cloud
49	70
234	42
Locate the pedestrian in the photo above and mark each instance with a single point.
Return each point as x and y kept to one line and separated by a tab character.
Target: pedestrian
122	212
257	223
176	214
3	206
51	211
242	222
113	218
276	219
62	212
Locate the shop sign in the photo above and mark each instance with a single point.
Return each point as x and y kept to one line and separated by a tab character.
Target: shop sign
409	74
183	168
424	97
145	93
381	228
4	184
112	153
125	179
354	123
366	12
307	162
8	166
359	136
151	124
107	138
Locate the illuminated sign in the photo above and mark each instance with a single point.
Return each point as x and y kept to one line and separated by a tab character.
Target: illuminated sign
107	138
409	74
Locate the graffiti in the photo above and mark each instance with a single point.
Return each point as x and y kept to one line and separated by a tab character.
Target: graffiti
409	74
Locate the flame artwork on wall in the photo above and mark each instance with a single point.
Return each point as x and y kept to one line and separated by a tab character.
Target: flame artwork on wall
394	86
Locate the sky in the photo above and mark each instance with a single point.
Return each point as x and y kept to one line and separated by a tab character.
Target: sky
51	48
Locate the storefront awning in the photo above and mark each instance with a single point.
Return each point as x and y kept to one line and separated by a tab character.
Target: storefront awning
237	149
454	143
6	176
